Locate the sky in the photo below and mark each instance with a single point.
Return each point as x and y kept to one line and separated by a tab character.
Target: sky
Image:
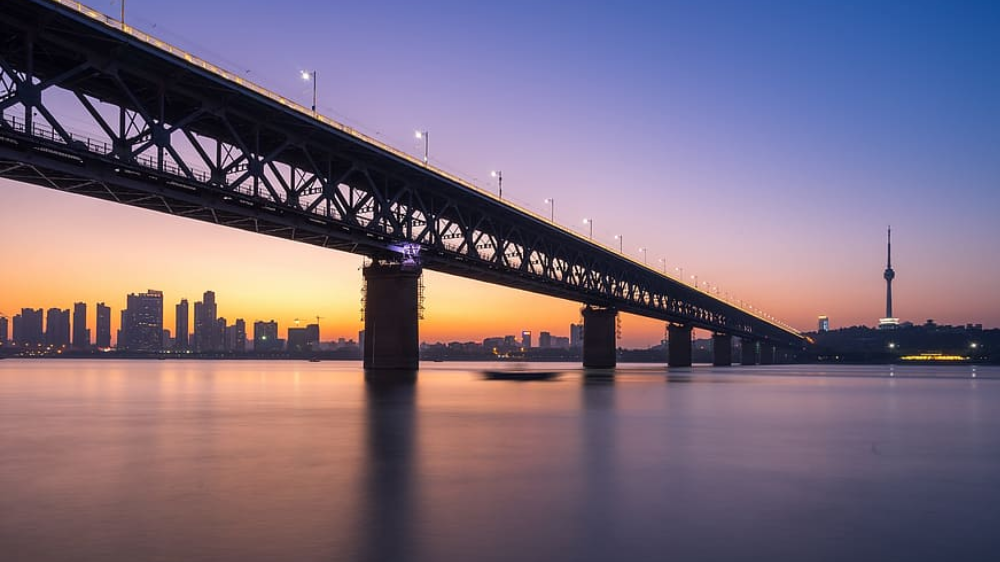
763	147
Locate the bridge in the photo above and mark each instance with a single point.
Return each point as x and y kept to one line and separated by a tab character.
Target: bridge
173	133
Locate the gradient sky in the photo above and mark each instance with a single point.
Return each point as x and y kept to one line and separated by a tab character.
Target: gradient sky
763	147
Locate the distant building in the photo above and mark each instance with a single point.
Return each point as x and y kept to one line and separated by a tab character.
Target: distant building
560	342
57	327
142	322
890	321
28	328
576	335
303	339
3	330
181	325
265	337
526	339
824	324
236	336
103	336
206	325
544	340
81	334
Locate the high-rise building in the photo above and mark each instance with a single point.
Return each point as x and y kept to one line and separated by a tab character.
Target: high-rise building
824	324
265	336
889	321
544	340
103	336
206	324
526	339
57	327
28	328
81	334
576	335
3	330
303	339
142	322
236	337
181	325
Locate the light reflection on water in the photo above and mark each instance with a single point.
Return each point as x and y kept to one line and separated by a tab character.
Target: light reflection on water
247	460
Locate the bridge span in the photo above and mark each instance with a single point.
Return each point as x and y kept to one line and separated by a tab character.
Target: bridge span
173	133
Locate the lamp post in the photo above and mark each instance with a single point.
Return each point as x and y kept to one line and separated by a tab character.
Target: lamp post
643	250
621	241
681	270
695	277
664	262
552	209
426	138
311	76
591	223
498	174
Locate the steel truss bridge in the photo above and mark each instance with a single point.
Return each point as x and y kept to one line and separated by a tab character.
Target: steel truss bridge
170	132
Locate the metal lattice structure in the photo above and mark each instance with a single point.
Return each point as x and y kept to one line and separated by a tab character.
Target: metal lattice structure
167	131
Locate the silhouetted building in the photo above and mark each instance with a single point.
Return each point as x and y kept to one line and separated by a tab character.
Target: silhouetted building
3	330
103	336
560	342
889	321
28	327
265	337
526	339
57	327
206	326
544	340
236	337
824	324
181	325
81	334
142	322
220	334
303	339
576	335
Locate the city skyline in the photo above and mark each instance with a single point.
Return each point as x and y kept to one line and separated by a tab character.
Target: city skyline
782	205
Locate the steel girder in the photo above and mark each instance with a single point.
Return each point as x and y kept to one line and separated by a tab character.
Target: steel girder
164	134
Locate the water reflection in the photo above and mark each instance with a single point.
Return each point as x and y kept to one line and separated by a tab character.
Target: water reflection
388	470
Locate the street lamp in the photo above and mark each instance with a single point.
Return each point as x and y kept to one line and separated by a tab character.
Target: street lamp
552	209
664	262
695	277
681	270
426	138
621	241
311	76
591	223
498	174
643	250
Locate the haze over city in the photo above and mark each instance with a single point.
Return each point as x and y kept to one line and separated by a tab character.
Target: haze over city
764	152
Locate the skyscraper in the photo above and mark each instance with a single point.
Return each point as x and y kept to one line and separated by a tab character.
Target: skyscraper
142	322
824	324
265	336
103	336
3	330
28	327
576	335
81	334
889	321
206	325
181	326
57	327
526	339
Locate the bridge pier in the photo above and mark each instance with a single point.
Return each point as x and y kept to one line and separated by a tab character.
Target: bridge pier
767	353
722	350
392	301
679	345
748	352
600	337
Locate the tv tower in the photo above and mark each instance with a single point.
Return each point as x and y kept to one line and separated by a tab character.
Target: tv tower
889	321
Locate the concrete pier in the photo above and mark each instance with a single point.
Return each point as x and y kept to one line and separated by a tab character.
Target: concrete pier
748	352
600	337
722	350
392	300
679	338
767	353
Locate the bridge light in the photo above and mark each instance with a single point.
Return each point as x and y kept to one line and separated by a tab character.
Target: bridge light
426	138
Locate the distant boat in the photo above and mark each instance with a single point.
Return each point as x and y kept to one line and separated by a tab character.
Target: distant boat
314	359
520	375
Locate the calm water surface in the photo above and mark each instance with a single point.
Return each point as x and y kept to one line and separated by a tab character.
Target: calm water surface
247	461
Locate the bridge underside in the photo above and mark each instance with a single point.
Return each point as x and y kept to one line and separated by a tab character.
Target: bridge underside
173	134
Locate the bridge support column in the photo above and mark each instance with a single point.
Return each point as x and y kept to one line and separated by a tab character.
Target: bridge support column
766	353
392	301
679	345
600	331
722	350
748	352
